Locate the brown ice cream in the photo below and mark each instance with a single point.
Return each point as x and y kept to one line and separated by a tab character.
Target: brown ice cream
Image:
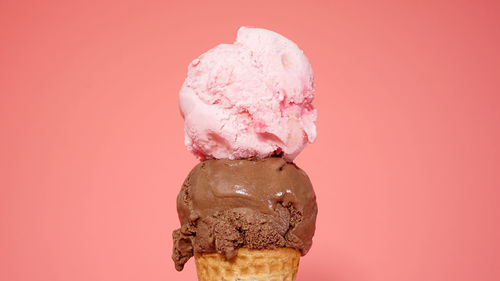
258	204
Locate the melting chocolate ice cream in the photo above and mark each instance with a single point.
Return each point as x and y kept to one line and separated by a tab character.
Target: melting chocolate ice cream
254	203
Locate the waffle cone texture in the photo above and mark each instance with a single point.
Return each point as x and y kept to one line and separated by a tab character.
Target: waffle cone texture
249	265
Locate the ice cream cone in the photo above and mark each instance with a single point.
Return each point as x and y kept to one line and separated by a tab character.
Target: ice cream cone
248	112
249	265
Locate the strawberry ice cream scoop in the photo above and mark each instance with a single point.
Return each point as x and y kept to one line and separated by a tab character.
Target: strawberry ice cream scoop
249	99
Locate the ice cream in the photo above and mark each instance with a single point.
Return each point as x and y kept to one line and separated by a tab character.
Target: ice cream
258	204
251	98
247	212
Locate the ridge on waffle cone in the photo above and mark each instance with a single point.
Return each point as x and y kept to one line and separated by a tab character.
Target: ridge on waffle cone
280	264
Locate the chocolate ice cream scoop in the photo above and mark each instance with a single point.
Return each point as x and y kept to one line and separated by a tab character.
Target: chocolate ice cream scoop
258	204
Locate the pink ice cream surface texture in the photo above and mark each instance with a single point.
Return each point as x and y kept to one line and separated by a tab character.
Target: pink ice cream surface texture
249	99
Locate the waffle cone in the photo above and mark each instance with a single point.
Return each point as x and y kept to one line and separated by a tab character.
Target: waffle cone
249	265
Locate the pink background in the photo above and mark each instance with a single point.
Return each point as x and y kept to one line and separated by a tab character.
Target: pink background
406	166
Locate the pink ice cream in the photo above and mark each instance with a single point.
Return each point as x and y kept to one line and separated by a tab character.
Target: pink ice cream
248	99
